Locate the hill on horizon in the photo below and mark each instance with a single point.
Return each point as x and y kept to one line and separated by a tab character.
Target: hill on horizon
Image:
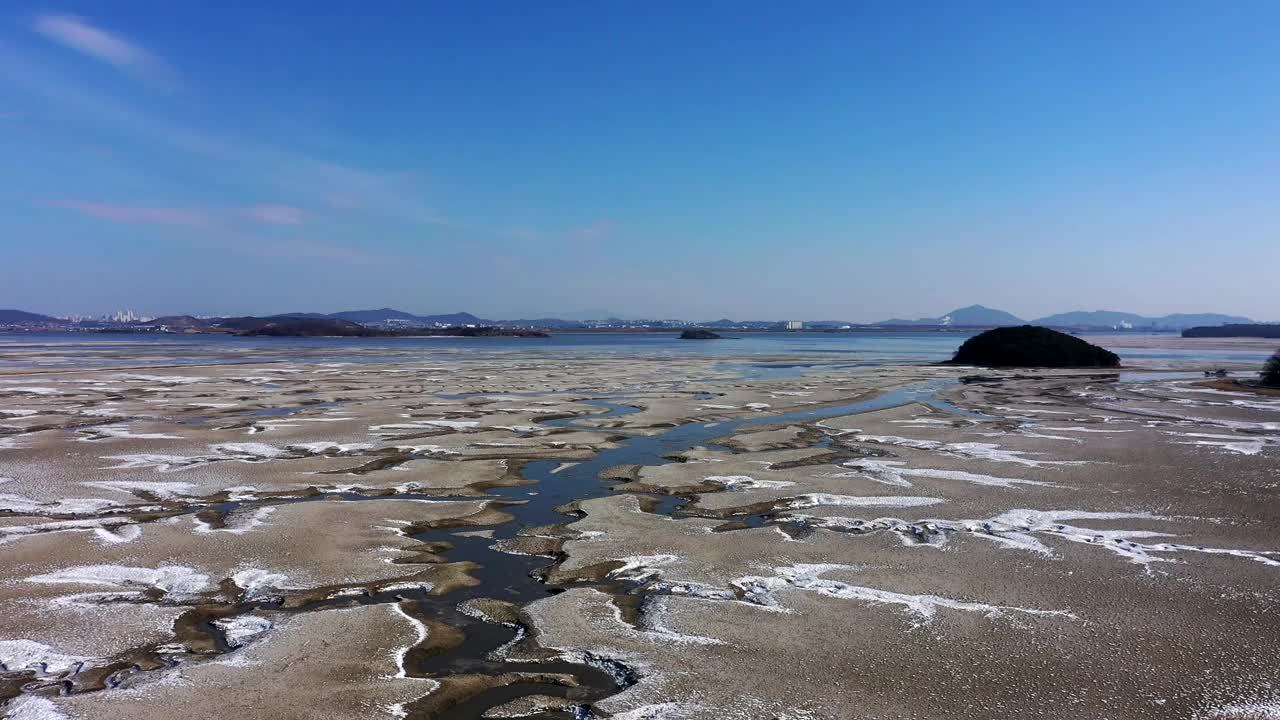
1113	318
22	316
971	315
382	315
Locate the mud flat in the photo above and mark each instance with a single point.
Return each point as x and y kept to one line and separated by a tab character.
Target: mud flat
553	536
1228	353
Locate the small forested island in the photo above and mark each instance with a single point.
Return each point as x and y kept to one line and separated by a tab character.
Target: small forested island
1257	330
1270	375
700	334
1032	346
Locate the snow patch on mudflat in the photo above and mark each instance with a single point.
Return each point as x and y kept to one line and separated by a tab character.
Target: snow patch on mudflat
177	582
892	472
1018	529
162	490
103	432
108	530
823	499
240	452
990	452
746	482
808	577
242	629
24	654
33	707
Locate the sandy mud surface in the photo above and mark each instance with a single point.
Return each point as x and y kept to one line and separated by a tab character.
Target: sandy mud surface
546	535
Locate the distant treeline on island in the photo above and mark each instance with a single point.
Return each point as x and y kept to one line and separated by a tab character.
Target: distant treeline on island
329	327
1223	331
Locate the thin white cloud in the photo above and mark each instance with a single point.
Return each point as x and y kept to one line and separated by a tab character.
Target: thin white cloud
76	33
277	214
133	214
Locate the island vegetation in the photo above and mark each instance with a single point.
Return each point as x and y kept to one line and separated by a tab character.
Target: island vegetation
1270	375
700	334
1256	330
1032	346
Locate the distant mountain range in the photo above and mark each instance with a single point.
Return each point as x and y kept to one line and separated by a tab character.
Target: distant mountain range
384	315
1112	318
971	316
965	316
978	315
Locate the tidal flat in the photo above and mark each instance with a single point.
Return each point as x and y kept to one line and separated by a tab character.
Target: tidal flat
559	534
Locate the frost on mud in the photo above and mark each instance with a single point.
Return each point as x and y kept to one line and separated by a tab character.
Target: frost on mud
891	472
761	590
175	582
1018	529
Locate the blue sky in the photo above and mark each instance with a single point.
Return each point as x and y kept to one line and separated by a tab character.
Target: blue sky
747	159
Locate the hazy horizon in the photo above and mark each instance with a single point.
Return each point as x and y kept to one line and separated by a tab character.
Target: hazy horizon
819	161
581	315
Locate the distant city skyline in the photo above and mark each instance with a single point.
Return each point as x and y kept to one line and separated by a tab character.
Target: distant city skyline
745	160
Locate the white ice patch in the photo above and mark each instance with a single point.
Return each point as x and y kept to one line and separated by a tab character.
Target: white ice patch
102	432
405	586
521	429
1006	409
1238	425
161	490
808	577
1084	429
105	410
923	423
240	452
249	452
399	655
176	581
1018	529
18	655
1239	444
18	413
66	506
746	482
427	450
640	568
33	707
327	448
14	532
661	711
29	390
393	429
973	451
1120	542
259	584
121	534
237	523
162	379
242	629
824	499
891	472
